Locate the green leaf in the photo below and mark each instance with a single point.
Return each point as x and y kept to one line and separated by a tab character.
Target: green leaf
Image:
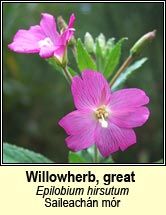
99	57
101	159
84	60
107	160
124	76
15	154
159	161
54	64
113	58
76	157
83	156
109	46
72	72
86	156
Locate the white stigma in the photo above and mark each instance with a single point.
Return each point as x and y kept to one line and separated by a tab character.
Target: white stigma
101	115
103	122
45	43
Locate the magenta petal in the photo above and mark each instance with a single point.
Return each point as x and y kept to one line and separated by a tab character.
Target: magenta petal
128	98
78	121
109	140
48	26
96	86
26	41
90	91
71	21
46	52
80	141
128	138
80	125
131	118
60	50
61	44
43	39
65	37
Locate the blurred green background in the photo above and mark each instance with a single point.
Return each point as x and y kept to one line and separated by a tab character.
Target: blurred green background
36	97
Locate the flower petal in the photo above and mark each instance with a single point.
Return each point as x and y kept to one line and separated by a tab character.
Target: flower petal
59	52
80	125
26	41
129	119
62	40
47	52
79	141
48	26
65	37
77	122
68	33
128	98
90	91
61	43
71	21
109	140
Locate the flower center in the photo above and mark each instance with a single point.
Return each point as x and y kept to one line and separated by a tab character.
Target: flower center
45	43
102	114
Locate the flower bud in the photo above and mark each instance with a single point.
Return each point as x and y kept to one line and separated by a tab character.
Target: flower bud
62	24
89	42
110	44
139	45
101	39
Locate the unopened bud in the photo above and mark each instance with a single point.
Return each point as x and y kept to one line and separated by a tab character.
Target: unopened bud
89	42
101	40
110	44
62	24
140	44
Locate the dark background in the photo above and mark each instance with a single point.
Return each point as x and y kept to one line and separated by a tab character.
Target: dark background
36	97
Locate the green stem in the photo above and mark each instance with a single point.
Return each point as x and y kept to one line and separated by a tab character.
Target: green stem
122	68
74	50
95	154
67	73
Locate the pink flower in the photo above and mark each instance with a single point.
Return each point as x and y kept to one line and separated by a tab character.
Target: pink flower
102	117
44	38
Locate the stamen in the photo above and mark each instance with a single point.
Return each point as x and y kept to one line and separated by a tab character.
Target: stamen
103	122
45	43
102	114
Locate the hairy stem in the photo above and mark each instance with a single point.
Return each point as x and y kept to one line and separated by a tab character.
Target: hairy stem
95	154
67	73
122	68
